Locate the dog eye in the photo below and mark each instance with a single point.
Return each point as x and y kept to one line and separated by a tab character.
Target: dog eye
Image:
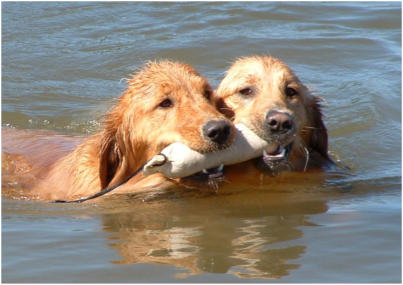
246	91
290	92
207	94
167	103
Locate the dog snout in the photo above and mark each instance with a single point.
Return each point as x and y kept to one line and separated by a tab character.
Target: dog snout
217	131
279	122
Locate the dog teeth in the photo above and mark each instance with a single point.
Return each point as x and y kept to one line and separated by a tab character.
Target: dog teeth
215	169
280	153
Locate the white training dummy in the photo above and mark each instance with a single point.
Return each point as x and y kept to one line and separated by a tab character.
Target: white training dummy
178	160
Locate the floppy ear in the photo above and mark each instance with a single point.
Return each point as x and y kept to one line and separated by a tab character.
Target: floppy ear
110	157
318	140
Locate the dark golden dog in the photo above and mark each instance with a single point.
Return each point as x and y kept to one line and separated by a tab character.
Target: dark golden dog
165	102
265	95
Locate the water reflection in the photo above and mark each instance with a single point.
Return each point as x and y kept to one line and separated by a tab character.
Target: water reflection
250	235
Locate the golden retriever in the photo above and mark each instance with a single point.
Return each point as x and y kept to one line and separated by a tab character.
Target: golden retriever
264	94
164	102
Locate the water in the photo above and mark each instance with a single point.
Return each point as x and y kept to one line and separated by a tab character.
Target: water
62	67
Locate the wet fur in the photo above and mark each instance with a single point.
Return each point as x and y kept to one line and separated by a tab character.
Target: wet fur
268	77
135	129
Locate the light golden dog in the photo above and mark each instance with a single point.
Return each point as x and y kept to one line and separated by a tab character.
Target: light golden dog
165	102
264	94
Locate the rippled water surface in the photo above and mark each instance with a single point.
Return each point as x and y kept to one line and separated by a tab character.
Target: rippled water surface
62	65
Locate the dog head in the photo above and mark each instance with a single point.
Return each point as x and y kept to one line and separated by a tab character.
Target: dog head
264	94
165	102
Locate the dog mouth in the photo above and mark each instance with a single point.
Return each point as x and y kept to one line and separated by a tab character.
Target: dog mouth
210	177
274	161
280	153
208	173
215	172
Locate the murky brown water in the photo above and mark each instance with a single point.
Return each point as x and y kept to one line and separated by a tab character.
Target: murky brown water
62	66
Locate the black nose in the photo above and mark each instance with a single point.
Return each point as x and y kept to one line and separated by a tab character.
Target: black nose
217	131
279	122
